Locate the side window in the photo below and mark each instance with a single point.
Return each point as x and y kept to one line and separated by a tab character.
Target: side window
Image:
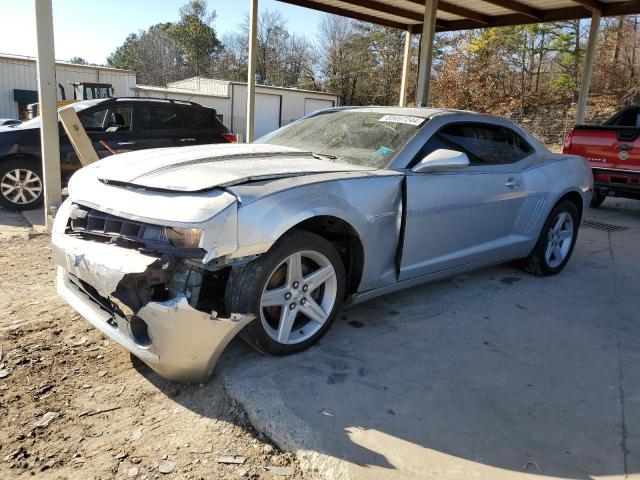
158	118
93	120
114	119
485	144
119	119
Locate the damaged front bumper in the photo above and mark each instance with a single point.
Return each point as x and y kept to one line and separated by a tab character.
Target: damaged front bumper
177	340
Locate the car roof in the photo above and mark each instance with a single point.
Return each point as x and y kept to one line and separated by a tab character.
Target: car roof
97	101
422	112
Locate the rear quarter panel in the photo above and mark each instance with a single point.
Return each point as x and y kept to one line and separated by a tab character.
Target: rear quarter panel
546	181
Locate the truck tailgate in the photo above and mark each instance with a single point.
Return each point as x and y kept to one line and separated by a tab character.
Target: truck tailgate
607	147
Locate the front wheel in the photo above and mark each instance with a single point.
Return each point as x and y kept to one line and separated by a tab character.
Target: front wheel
556	241
295	291
20	184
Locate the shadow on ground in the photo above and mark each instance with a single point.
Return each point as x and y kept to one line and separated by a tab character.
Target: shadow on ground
495	374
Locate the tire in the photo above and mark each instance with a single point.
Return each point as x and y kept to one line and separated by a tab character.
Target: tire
539	262
597	198
271	280
21	186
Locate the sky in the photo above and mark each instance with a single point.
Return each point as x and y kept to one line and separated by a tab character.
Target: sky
92	29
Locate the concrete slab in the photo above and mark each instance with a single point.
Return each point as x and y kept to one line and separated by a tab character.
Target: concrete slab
495	374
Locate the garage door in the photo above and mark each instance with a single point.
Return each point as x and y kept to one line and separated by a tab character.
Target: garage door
313	104
267	117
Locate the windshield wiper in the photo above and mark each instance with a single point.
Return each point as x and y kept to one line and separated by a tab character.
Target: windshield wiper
320	156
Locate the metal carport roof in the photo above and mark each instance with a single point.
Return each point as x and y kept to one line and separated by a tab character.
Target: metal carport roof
467	14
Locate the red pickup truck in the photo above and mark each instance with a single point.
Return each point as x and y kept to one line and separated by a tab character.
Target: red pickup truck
613	151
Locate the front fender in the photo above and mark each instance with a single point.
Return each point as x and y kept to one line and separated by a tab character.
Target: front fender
370	205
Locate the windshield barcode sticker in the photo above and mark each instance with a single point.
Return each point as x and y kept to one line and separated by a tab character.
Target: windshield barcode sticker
402	119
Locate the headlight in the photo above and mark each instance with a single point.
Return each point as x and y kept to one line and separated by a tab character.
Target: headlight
183	237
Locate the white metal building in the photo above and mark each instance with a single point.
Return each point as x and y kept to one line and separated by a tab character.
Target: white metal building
18	84
275	106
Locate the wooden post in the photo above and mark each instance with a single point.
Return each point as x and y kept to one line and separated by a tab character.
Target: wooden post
406	67
581	109
251	71
47	99
426	51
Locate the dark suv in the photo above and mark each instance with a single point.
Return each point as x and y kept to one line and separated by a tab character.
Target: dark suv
114	125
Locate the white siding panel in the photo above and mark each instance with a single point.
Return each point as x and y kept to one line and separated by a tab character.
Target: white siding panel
209	86
314	104
20	73
293	104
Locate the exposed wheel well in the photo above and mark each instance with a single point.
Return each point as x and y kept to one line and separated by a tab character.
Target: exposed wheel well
576	199
346	240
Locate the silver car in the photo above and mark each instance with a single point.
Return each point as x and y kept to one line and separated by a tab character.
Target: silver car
172	252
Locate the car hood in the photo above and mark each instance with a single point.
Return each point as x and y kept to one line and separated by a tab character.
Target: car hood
204	167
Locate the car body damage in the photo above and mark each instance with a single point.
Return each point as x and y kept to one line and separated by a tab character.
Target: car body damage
149	304
161	249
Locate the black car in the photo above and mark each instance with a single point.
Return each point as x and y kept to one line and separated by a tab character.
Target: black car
114	125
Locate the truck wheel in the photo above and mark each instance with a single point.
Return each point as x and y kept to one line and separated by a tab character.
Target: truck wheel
295	291
21	185
597	198
556	241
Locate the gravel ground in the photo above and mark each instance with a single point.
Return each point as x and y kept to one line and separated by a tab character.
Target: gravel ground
75	405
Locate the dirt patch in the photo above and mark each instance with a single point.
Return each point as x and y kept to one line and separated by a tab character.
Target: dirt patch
75	405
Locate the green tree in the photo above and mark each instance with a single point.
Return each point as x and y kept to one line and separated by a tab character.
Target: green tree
195	37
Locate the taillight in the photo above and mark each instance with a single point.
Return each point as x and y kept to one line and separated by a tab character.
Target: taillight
567	142
229	137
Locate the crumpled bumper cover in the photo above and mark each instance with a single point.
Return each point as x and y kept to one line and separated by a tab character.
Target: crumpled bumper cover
185	342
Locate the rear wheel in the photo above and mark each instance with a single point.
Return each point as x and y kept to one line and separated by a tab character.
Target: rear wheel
21	186
597	198
294	290
556	241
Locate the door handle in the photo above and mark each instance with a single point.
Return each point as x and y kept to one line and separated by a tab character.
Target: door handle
126	143
188	139
624	147
513	183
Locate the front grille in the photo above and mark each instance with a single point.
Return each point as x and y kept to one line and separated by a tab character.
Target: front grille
93	224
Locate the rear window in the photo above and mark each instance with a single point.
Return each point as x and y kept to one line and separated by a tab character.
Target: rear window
629	117
200	118
367	138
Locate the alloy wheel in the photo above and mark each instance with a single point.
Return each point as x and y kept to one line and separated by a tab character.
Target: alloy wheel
559	240
21	186
298	297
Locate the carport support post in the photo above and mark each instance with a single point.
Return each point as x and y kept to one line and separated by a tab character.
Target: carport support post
581	109
406	66
251	72
47	92
426	52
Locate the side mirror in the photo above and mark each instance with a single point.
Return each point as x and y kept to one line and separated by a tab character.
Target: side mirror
442	159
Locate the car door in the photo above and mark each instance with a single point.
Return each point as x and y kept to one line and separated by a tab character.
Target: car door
110	129
157	125
464	216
